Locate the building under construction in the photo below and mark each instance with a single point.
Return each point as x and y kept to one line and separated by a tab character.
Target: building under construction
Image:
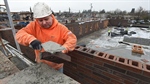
122	57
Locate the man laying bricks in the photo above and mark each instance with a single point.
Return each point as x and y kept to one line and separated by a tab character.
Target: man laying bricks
46	28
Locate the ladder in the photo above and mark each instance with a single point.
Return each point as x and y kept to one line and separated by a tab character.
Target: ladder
11	23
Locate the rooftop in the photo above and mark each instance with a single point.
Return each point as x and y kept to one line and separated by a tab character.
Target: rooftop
121	45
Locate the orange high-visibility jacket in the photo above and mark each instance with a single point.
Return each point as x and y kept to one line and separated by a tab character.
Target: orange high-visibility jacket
57	33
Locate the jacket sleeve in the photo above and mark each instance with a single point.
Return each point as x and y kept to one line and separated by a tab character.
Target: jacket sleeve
25	35
70	40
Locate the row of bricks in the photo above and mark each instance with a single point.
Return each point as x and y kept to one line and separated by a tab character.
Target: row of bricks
121	60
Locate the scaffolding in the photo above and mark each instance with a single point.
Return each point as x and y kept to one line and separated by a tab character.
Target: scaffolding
11	26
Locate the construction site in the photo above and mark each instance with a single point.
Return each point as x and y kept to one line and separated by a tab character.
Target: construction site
108	51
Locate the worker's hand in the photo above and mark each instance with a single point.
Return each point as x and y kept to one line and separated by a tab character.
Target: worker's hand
36	44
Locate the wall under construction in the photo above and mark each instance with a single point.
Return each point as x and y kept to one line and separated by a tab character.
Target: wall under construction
93	67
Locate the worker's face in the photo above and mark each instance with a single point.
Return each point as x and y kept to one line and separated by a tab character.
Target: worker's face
45	22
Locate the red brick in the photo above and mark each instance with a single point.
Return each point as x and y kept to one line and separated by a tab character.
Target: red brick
78	47
137	65
113	77
93	52
111	57
128	67
122	60
84	49
90	60
128	82
101	54
146	70
76	54
83	69
98	62
105	60
101	79
115	82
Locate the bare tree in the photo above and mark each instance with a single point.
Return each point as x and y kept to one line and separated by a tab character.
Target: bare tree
139	12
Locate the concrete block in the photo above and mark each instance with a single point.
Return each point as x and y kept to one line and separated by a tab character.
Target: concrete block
6	67
38	74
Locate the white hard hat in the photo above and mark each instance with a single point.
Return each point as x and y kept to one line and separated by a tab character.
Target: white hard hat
41	9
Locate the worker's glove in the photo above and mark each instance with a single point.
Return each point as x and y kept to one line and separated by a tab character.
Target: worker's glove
36	45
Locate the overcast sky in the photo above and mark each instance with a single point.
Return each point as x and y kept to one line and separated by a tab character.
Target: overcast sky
76	5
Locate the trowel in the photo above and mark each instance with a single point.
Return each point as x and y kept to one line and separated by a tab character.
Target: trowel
53	52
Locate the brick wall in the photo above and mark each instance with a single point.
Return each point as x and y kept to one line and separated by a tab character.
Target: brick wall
86	28
117	22
93	67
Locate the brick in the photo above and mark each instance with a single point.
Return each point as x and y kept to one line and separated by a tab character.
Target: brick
92	52
88	55
116	82
84	70
142	82
113	77
146	71
72	75
137	66
86	62
122	60
102	68
90	67
78	47
89	81
127	67
90	60
111	57
125	77
138	76
101	54
137	49
98	62
114	68
104	59
76	54
100	80
71	65
131	66
101	76
84	49
128	82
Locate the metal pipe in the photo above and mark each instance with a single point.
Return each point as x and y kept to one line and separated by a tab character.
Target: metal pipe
5	29
23	58
10	52
13	48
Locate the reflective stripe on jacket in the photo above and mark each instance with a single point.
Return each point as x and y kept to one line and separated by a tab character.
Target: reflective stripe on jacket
57	33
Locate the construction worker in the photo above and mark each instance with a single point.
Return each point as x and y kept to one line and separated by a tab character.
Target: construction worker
109	32
126	30
46	28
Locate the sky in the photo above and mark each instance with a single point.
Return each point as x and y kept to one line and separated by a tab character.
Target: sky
80	5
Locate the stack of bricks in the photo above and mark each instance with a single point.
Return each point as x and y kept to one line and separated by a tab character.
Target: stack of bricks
137	49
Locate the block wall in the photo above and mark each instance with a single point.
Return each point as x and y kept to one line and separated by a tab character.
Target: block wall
93	67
